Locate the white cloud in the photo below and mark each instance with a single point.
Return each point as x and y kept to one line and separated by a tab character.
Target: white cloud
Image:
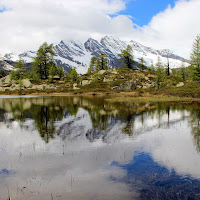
27	24
175	28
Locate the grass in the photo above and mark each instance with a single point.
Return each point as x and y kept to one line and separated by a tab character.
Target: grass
191	90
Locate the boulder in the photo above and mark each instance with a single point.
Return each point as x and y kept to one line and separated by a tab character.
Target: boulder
102	72
181	84
1	82
75	84
76	88
107	80
2	89
85	82
26	83
114	71
7	79
128	85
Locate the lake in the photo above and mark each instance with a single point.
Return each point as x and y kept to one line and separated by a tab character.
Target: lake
86	148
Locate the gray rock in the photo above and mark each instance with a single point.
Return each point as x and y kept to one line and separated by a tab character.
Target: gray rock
76	88
102	72
129	85
181	84
75	84
2	89
1	82
107	80
7	79
85	82
26	83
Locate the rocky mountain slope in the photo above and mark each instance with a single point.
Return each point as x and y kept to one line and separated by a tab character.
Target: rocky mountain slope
78	55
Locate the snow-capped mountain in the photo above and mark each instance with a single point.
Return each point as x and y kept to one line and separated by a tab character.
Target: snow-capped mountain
78	55
5	63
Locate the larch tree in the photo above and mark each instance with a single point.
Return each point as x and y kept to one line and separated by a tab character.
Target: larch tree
91	68
142	63
194	68
127	57
101	62
160	74
44	60
19	71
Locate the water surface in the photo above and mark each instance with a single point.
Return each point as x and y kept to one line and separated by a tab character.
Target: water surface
87	148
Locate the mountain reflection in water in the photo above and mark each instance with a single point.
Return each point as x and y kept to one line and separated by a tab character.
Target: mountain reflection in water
88	148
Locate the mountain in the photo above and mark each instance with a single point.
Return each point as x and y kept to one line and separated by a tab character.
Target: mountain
76	54
6	64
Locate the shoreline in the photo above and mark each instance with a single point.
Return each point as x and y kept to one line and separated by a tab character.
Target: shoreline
120	97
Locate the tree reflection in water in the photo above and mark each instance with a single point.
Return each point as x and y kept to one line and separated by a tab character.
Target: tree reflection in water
46	111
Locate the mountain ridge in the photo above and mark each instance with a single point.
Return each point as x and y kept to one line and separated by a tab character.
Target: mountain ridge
78	54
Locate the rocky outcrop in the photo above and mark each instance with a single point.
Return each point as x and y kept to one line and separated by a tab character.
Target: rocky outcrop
26	83
181	84
85	82
128	85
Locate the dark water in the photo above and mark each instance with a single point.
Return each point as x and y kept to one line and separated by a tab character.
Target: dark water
84	148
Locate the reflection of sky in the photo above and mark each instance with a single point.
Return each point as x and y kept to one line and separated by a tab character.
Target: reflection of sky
154	181
76	168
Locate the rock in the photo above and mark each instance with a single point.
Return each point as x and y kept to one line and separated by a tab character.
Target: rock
114	72
147	85
26	83
7	79
129	85
1	82
102	72
61	82
85	82
115	88
107	80
76	88
38	87
2	89
181	84
75	84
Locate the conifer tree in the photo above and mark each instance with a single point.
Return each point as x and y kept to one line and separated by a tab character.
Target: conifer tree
19	71
168	68
183	73
194	68
142	63
61	72
101	62
92	65
73	74
160	74
127	57
44	60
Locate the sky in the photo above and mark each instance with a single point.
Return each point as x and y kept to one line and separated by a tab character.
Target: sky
161	24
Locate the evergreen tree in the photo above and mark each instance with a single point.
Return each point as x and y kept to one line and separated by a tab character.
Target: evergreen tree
194	69
61	72
44	60
127	57
168	69
53	70
183	72
73	74
142	63
19	72
101	62
151	68
160	74
92	65
2	73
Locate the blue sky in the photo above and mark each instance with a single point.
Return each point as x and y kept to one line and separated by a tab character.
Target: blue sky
144	10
